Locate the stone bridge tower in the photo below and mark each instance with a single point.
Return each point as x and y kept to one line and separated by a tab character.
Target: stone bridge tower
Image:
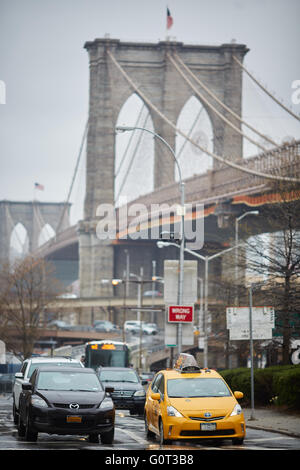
33	215
149	68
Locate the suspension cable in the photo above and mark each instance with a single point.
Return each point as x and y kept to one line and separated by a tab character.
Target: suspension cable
266	91
221	102
73	179
173	126
201	96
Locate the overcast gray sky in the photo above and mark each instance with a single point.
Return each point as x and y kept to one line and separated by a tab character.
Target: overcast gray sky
45	69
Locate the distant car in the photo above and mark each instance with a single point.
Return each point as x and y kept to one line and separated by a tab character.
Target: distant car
147	377
150	328
105	325
28	367
129	392
62	325
66	401
152	293
132	326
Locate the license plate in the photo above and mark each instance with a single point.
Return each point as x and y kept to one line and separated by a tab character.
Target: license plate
208	426
73	419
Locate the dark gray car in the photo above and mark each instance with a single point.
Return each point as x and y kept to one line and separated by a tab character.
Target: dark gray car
129	392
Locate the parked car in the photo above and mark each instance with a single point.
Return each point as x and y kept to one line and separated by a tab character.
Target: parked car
60	324
129	392
63	401
150	329
28	367
105	325
132	326
192	403
135	326
152	293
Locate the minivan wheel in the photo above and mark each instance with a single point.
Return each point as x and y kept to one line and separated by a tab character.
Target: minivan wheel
162	440
238	441
21	427
30	434
94	438
108	437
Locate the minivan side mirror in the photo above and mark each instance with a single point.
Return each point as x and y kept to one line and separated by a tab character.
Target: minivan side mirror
238	395
155	396
19	375
27	386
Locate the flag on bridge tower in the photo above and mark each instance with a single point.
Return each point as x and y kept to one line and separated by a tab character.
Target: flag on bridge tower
169	19
39	186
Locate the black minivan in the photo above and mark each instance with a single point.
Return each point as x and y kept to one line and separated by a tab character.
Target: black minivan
66	401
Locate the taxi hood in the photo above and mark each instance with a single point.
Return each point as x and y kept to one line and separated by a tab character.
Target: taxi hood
197	406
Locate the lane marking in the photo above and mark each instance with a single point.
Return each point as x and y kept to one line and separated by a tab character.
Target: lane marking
138	439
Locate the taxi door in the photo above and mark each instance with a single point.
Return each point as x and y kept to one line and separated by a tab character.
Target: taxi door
152	404
157	404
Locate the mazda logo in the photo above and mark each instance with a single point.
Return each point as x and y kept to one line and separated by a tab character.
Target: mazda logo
74	406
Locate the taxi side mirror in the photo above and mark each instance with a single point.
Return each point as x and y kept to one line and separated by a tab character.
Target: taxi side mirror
155	396
238	395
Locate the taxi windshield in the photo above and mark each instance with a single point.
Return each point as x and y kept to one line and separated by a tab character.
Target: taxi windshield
197	387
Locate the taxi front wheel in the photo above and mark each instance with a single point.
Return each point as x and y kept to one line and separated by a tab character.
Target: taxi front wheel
162	439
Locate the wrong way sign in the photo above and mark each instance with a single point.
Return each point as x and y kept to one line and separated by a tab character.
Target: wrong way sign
180	314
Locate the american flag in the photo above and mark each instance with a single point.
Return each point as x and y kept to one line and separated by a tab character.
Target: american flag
39	186
169	19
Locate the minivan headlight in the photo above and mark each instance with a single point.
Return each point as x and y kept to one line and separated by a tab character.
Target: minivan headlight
139	393
171	411
106	404
237	410
38	401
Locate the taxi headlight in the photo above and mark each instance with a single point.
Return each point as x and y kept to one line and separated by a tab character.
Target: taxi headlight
237	410
106	404
171	411
139	393
38	401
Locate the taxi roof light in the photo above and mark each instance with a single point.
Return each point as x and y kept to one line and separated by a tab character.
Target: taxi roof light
186	363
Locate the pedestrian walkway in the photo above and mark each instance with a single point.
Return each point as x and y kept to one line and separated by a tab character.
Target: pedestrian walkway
271	419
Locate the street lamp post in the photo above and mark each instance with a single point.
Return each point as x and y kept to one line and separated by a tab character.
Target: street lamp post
182	201
206	259
236	248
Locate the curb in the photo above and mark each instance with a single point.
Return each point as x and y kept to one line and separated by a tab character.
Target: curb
268	429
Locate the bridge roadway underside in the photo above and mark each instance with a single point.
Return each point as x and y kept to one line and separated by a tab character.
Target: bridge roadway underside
219	233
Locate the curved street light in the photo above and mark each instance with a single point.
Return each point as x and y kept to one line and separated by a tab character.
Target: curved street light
182	201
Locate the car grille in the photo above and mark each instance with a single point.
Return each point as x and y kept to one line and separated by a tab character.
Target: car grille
67	406
201	418
122	394
220	432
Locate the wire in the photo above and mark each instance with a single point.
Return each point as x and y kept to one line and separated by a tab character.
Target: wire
222	104
216	157
73	179
212	107
266	91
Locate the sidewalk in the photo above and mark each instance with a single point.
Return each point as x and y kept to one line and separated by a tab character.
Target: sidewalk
270	419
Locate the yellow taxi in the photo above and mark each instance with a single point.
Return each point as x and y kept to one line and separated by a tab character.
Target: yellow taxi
192	403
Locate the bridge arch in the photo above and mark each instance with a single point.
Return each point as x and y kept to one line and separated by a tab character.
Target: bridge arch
195	121
133	173
19	242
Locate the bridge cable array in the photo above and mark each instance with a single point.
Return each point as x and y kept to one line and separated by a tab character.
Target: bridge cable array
266	91
263	136
179	131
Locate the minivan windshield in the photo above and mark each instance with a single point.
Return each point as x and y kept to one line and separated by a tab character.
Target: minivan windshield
196	387
68	381
118	376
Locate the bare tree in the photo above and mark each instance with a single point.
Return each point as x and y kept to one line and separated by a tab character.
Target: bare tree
275	261
26	288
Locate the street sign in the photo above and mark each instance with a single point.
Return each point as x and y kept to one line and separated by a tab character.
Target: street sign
263	320
180	314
